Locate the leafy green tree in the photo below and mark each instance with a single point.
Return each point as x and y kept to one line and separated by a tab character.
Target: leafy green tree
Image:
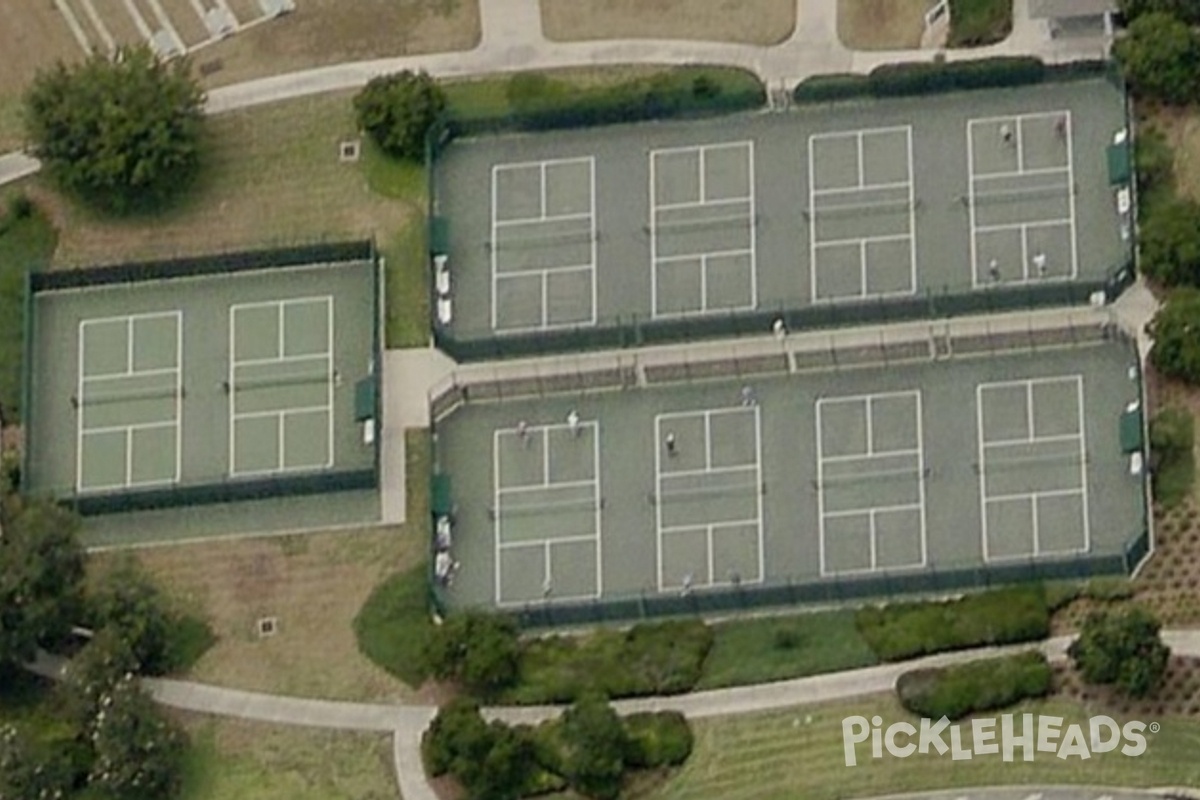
398	110
138	751
41	579
1155	164
1170	243
1185	10
594	744
31	769
1123	649
479	651
122	133
491	761
1176	332
91	675
1161	58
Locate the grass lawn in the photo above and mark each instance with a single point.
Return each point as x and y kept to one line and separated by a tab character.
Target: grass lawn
978	22
766	649
751	21
881	24
235	759
12	134
25	245
1181	127
323	32
799	753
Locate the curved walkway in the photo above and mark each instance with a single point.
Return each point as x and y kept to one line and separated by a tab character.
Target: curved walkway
408	723
512	40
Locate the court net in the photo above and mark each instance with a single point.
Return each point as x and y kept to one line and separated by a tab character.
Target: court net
696	492
869	476
737	222
266	382
1075	459
527	509
1051	191
860	209
94	398
542	240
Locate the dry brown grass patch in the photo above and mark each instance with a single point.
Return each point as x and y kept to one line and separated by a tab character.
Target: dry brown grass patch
314	584
881	24
272	178
324	32
750	21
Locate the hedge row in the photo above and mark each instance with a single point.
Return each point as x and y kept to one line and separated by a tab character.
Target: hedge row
999	616
500	762
893	80
538	102
647	659
982	685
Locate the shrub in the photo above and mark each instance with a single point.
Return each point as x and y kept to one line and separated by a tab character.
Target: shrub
138	750
594	744
823	88
92	673
648	659
1161	58
1185	10
1170	243
398	110
999	616
34	769
1123	649
1154	161
657	739
20	206
478	651
1172	461
974	23
1176	350
925	78
983	685
491	761
161	640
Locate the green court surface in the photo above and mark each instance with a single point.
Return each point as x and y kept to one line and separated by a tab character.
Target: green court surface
199	381
833	476
838	204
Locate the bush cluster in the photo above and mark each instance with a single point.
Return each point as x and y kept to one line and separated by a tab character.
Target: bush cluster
999	616
647	659
1172	463
1123	649
982	685
589	749
891	80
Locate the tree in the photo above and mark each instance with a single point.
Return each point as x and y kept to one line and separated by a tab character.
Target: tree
1185	10
479	651
1170	243
131	604
398	110
1176	332
41	579
1123	649
1155	166
492	762
122	133
594	743
1161	58
138	751
91	675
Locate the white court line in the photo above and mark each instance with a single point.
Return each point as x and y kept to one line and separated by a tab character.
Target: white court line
870	456
147	426
857	512
595	258
73	23
686	473
1008	496
1022	173
820	484
541	487
912	218
165	23
541	542
502	223
90	9
1032	439
1083	482
863	240
812	223
758	496
971	217
921	480
128	373
753	236
599	499
139	21
178	397
1020	143
719	254
654	263
865	188
495	272
1046	223
257	362
723	201
496	499
1071	195
983	498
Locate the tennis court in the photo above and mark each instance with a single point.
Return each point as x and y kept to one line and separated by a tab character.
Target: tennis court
543	244
129	399
546	512
871	482
170	387
833	475
281	381
1032	467
861	214
846	205
1022	198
